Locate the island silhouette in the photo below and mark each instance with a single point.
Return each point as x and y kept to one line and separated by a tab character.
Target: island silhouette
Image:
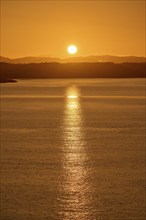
11	70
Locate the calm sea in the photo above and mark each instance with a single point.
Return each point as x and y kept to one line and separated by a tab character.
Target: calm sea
73	149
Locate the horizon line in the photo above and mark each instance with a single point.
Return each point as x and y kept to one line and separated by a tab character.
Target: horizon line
70	57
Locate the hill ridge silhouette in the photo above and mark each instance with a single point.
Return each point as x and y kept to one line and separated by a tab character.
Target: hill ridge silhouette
71	70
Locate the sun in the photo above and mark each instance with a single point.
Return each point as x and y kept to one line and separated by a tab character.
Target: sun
72	49
72	96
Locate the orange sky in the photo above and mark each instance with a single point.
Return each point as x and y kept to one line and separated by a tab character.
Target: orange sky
37	27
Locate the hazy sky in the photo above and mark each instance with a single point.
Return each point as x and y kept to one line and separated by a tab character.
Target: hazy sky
39	27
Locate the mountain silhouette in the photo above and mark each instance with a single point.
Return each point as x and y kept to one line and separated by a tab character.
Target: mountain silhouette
103	58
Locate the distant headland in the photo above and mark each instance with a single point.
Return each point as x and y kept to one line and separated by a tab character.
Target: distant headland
5	80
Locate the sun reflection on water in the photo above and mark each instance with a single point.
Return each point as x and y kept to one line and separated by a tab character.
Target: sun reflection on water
74	198
72	96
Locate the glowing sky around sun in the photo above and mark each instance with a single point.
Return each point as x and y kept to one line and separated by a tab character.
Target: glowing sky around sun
37	28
